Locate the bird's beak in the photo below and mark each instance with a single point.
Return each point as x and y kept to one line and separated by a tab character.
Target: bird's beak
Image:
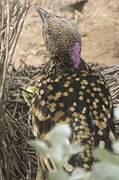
43	14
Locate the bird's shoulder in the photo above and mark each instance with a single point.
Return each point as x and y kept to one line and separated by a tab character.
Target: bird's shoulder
49	83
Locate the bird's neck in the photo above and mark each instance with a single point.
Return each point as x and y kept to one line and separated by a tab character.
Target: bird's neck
67	58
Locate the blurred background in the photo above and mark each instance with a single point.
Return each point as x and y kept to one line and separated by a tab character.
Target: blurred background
98	23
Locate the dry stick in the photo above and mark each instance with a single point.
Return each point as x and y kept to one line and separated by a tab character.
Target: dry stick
2	23
1	175
6	55
5	158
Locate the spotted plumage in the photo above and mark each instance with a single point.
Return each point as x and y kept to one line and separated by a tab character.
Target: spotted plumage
68	91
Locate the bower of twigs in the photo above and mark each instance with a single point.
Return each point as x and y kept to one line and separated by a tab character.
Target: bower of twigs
17	158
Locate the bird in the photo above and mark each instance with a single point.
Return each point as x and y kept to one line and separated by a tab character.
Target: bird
67	91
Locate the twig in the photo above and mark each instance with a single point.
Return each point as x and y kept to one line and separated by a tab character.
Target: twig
7	53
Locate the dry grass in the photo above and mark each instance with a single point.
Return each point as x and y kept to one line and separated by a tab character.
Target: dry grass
12	166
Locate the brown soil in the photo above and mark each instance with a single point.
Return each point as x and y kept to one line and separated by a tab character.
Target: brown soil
98	22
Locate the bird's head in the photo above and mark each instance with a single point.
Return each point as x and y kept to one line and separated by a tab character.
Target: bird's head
62	39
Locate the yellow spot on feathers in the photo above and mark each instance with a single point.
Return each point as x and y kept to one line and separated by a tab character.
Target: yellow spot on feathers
72	109
41	91
58	116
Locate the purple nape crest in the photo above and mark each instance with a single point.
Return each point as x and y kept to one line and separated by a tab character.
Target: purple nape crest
75	55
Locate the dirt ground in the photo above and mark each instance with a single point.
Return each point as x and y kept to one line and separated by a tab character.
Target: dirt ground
98	23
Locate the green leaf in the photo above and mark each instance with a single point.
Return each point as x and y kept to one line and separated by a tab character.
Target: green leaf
58	175
79	174
39	145
106	156
105	171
